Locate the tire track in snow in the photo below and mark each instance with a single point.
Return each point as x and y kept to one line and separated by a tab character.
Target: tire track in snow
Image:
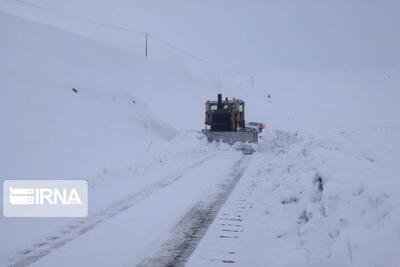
49	244
188	232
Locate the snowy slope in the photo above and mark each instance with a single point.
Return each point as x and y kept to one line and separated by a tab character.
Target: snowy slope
117	23
360	105
45	123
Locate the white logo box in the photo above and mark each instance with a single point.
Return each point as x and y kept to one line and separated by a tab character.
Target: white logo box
45	198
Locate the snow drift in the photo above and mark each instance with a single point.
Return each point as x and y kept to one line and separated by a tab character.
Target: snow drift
70	105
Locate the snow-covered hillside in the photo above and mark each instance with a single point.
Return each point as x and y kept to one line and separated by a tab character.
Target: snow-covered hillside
74	108
67	100
360	105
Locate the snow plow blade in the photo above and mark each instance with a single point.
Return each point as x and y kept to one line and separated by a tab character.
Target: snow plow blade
241	135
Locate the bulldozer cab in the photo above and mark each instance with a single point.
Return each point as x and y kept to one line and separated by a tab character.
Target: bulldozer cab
224	115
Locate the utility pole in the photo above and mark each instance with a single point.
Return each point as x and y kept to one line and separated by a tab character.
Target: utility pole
145	49
252	81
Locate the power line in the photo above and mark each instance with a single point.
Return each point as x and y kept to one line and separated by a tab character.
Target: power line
178	49
117	27
79	17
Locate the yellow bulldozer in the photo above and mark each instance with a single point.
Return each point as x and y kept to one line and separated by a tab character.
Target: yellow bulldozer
225	121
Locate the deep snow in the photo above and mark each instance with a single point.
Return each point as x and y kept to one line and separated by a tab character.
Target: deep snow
307	202
42	115
320	190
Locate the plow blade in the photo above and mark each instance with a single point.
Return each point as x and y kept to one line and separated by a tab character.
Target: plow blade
241	136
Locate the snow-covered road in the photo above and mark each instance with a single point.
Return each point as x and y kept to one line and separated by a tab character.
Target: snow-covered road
72	231
194	224
135	226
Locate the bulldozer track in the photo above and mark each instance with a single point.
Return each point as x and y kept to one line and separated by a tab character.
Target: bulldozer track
188	232
69	233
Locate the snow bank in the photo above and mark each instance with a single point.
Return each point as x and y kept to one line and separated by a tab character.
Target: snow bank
71	107
327	204
307	201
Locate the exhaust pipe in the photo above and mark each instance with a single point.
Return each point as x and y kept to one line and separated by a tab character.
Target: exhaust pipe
220	105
